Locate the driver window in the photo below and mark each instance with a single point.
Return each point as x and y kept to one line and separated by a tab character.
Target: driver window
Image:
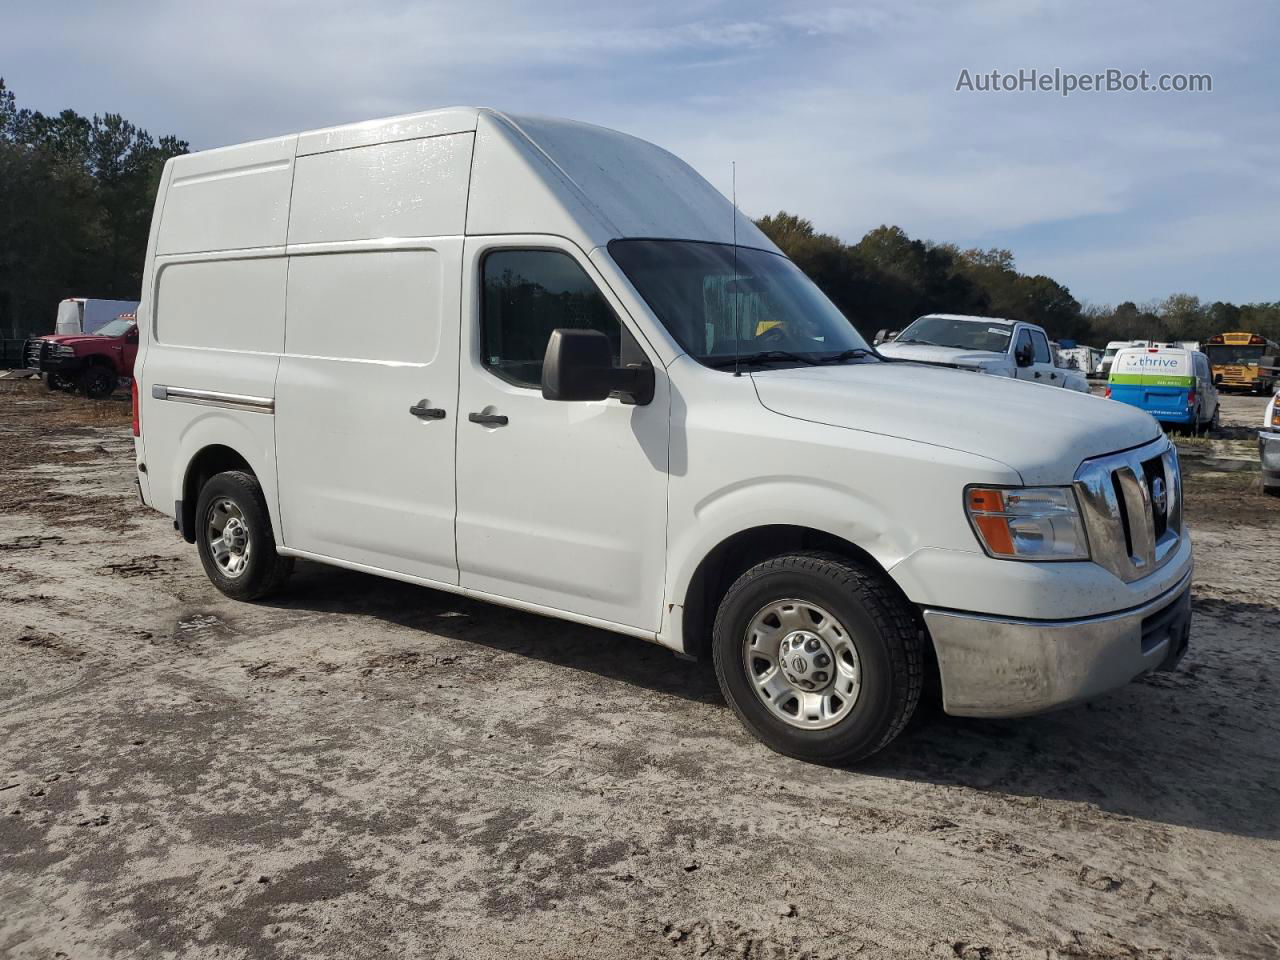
1042	347
525	295
1024	343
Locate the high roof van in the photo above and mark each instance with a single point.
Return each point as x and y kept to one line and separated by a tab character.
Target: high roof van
547	364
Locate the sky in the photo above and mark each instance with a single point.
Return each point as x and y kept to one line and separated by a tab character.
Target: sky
846	114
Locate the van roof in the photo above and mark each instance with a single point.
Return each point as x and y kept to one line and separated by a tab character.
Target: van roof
530	174
1180	352
1159	349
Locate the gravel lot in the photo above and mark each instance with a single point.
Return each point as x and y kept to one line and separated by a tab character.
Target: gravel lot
363	767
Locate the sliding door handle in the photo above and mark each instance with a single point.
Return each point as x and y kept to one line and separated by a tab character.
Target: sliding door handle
423	412
488	419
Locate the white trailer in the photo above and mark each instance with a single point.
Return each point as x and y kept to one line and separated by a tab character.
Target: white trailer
87	315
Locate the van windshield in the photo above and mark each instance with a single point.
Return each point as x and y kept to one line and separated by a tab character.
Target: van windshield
1232	353
759	306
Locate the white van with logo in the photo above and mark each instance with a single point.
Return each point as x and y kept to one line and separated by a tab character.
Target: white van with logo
1172	384
547	364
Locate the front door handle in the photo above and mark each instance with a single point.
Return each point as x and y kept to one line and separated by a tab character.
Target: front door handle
488	419
422	411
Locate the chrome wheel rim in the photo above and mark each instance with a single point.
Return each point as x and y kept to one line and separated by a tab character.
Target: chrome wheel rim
228	537
802	664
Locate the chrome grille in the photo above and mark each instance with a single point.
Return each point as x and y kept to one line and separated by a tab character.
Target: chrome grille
1132	506
34	353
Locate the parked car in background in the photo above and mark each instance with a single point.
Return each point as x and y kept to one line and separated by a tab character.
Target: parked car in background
1114	347
991	345
1172	384
93	362
1269	447
585	386
88	315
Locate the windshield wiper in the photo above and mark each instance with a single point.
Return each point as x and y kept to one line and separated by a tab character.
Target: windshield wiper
927	343
856	353
763	356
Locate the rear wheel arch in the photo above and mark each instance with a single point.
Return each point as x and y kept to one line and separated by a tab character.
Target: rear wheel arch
208	462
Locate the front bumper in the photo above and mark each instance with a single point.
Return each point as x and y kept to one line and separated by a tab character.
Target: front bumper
1002	667
1269	451
39	354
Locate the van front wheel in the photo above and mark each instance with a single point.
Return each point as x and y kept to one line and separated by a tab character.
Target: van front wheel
234	538
819	657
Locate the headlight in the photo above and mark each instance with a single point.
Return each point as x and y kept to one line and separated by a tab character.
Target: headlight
1275	416
62	350
1027	523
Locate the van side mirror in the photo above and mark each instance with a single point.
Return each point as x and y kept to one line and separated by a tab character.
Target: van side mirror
1025	356
578	365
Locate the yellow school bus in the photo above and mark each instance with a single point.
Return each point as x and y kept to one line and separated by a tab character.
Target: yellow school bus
1241	361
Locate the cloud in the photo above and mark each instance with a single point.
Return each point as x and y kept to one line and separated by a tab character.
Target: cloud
845	113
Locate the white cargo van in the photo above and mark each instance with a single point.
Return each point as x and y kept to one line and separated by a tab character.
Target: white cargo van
524	360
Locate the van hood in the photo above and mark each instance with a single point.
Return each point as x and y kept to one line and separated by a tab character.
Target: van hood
1042	432
987	360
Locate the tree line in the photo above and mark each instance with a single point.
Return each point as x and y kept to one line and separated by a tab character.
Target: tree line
887	279
76	195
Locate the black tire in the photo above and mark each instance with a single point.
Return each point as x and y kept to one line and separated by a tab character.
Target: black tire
265	571
885	632
98	381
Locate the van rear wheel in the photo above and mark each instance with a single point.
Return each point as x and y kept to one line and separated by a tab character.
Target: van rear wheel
819	657
234	538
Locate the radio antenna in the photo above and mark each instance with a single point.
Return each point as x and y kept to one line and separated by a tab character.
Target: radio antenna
733	289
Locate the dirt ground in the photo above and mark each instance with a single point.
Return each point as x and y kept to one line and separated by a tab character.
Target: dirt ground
366	768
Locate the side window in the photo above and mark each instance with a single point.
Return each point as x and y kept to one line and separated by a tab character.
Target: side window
1023	343
525	295
1043	355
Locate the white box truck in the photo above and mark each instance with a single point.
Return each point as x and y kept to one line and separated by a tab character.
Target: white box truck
78	315
548	365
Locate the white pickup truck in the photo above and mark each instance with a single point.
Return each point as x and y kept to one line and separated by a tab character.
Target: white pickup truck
1002	348
1269	447
548	365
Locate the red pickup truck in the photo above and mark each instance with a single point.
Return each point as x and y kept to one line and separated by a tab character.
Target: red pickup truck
92	362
